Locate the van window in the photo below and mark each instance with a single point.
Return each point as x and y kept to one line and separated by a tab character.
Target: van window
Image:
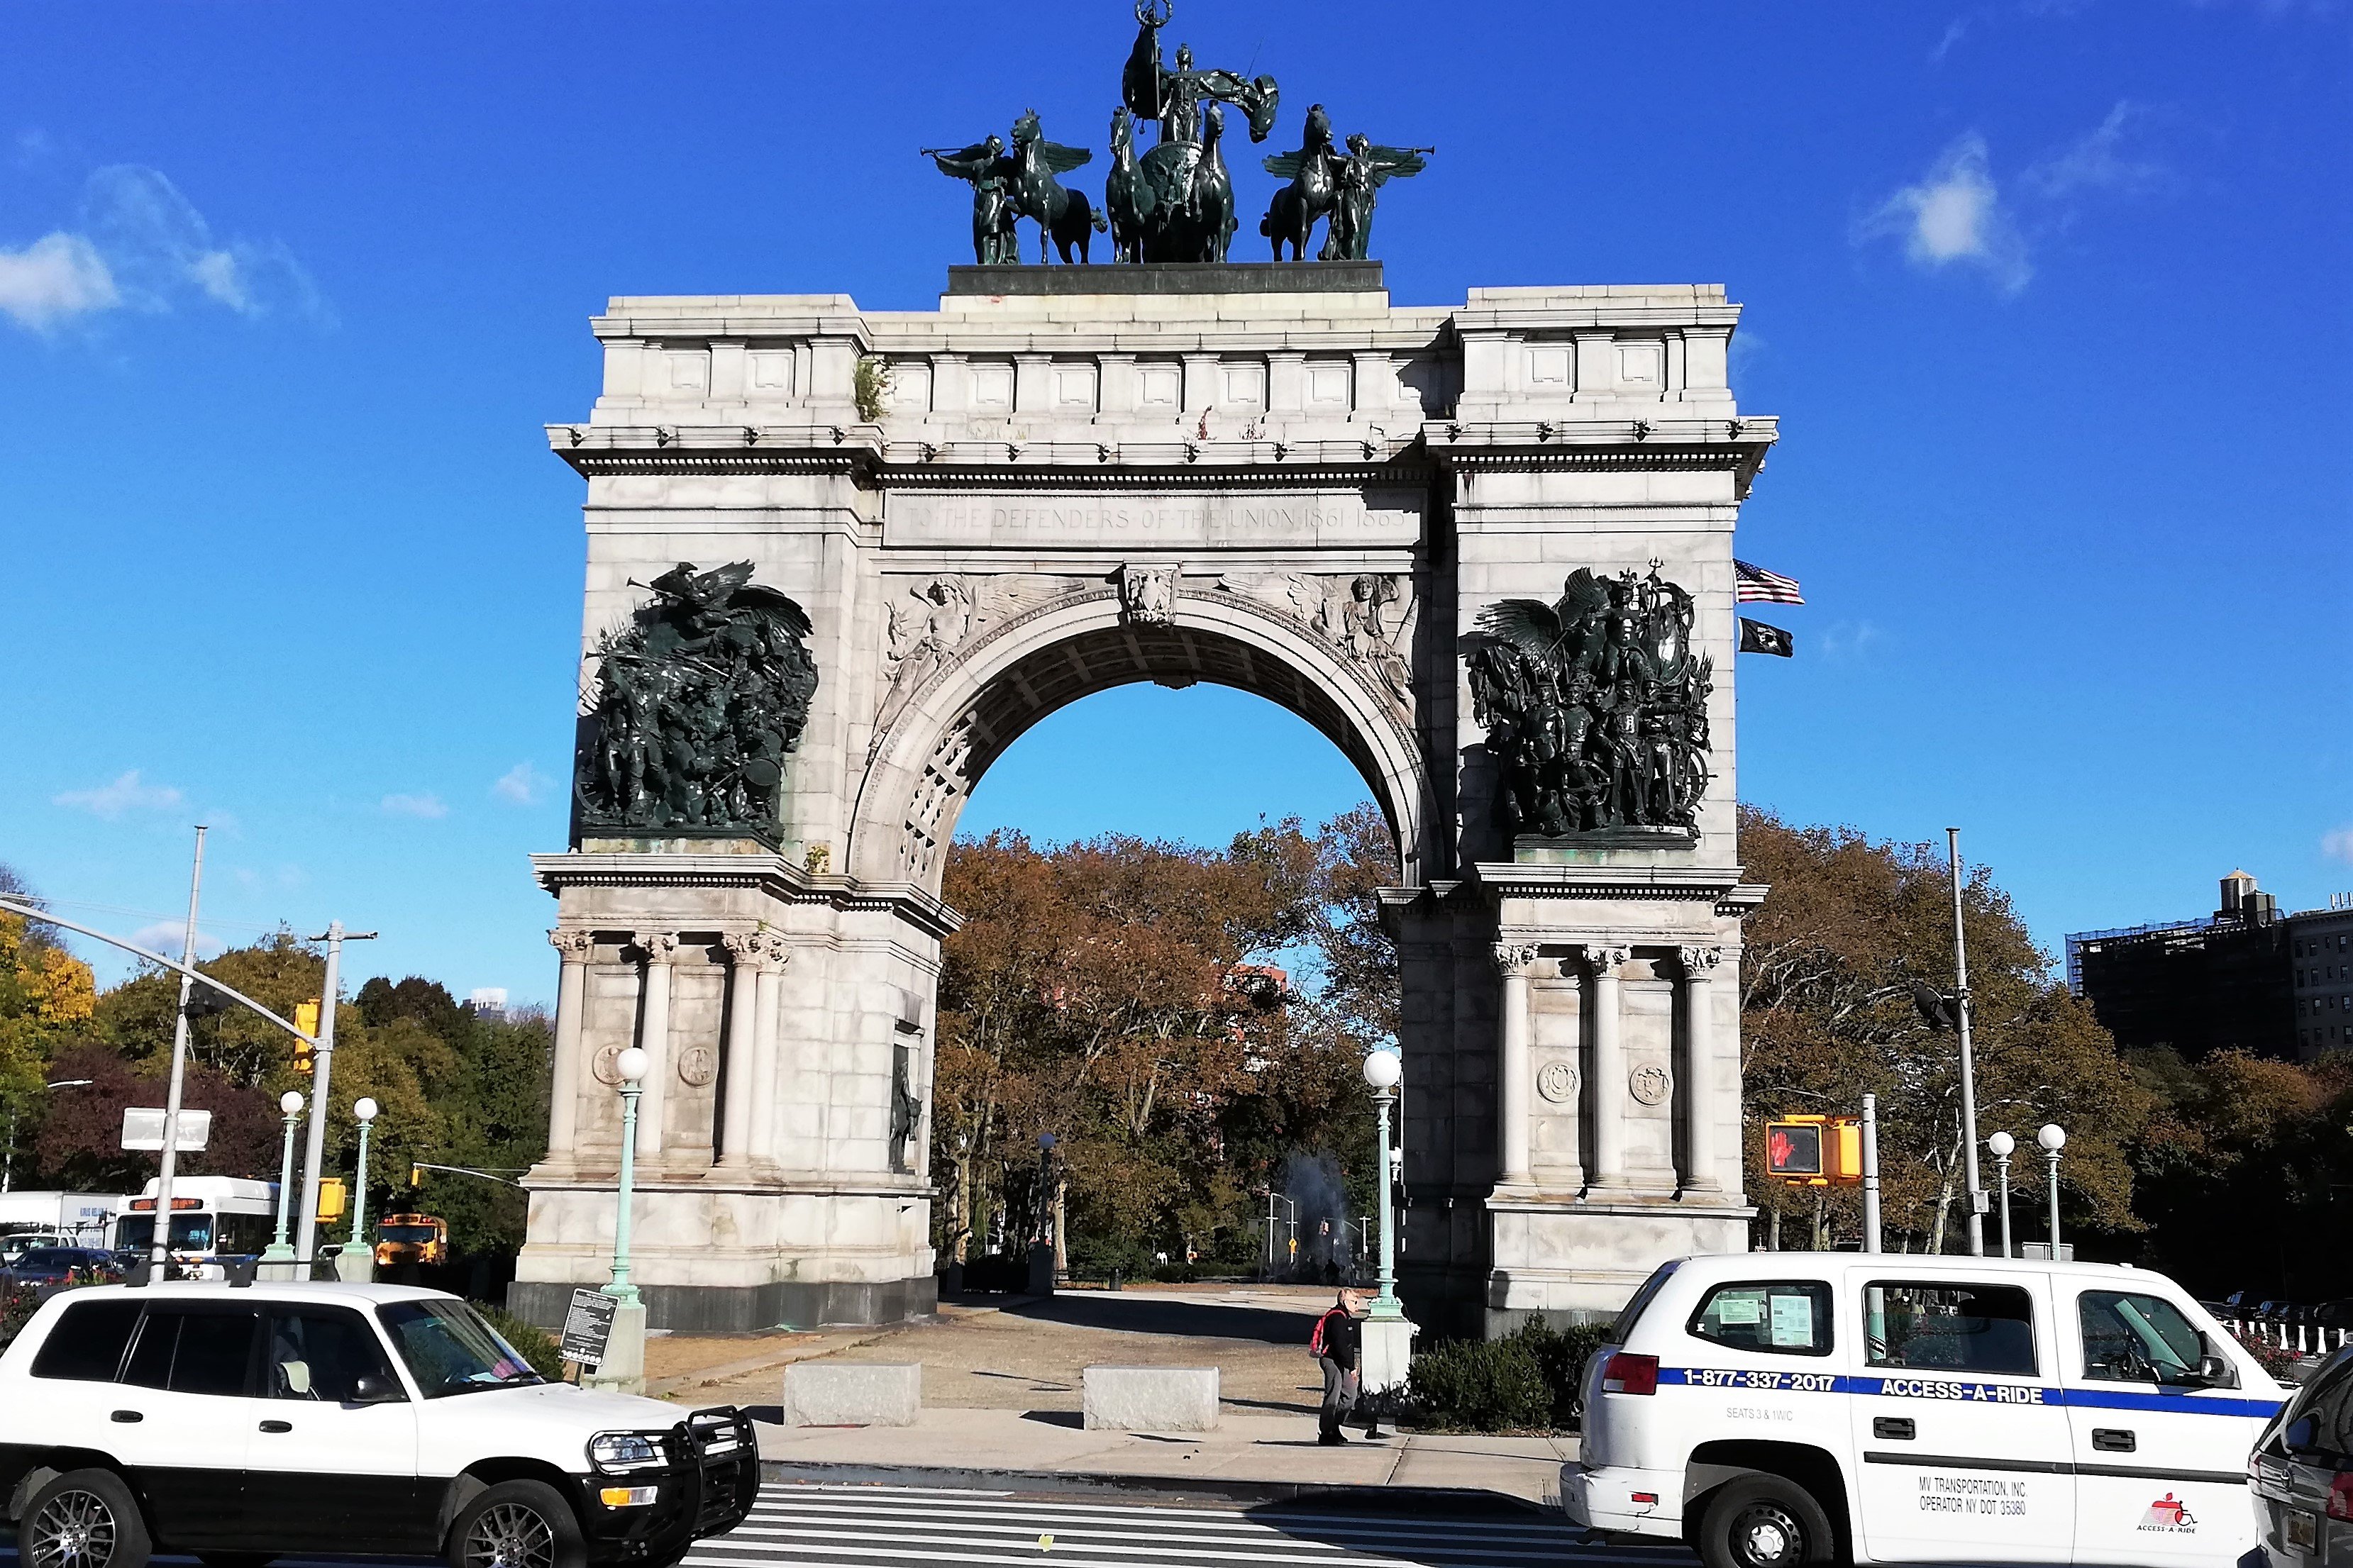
1633	1312
89	1341
2131	1338
1946	1326
1791	1317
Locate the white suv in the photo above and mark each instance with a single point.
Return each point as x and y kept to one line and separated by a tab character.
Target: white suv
246	1423
1780	1409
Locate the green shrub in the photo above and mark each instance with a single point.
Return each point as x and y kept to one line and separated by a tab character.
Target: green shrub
536	1345
1528	1381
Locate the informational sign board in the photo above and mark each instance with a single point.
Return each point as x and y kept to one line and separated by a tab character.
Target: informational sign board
588	1327
143	1129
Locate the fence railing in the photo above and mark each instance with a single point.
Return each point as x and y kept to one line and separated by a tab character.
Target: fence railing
2294	1337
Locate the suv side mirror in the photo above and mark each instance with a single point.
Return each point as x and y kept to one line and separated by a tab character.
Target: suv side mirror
375	1390
2214	1371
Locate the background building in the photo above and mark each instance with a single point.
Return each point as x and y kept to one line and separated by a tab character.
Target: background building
2245	977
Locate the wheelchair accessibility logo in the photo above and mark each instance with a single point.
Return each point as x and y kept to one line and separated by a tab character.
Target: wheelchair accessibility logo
2169	1516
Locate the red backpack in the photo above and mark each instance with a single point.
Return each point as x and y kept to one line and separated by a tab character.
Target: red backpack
1315	1337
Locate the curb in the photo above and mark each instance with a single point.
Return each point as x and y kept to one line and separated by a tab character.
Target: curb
1369	1498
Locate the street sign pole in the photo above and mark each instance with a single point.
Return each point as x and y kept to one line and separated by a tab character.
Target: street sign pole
1871	1173
1969	1068
306	1235
159	1250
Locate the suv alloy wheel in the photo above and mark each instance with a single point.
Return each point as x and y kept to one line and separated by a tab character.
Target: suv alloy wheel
83	1519
517	1524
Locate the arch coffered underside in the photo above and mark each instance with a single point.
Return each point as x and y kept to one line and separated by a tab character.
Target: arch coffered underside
926	761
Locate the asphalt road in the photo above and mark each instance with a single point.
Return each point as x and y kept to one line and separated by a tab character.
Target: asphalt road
926	1527
873	1527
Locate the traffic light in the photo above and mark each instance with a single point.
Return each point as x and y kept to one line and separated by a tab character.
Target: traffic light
416	1175
204	1001
1814	1150
306	1018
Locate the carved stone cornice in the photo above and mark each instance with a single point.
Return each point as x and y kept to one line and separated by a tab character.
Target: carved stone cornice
764	871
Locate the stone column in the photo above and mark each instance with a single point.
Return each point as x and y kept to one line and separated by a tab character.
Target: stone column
660	949
571	1006
768	959
1698	1095
742	1035
1514	961
1606	1084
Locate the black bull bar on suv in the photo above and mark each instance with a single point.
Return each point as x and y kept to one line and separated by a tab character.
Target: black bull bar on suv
711	1473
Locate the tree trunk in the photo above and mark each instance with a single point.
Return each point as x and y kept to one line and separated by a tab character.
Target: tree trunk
1820	1241
1061	1247
961	1215
1943	1213
1772	1231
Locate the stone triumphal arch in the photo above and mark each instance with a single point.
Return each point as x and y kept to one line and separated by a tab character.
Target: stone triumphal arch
839	560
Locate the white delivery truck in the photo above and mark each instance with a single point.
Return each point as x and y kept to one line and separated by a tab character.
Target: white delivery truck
76	1219
1774	1409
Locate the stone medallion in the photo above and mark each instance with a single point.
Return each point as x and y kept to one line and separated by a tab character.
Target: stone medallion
606	1066
1649	1083
698	1065
1557	1081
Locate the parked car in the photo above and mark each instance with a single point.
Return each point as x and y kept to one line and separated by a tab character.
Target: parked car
1774	1409
17	1243
376	1420
2302	1472
59	1265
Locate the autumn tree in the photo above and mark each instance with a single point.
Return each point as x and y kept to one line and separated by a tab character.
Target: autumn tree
1827	1014
46	997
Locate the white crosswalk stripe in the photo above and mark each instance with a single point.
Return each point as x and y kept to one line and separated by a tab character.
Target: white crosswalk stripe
875	1527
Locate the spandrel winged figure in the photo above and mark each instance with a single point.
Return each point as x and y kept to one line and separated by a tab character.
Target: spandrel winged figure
1595	705
698	702
1367	168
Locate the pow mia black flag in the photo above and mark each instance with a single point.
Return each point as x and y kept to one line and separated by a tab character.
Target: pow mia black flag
1755	637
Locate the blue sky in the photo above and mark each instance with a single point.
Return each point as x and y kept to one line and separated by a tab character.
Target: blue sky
2051	298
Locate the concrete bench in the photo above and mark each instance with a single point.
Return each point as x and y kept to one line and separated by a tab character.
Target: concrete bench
852	1394
1151	1398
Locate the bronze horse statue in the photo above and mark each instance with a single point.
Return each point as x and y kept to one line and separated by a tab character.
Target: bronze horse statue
1314	191
1063	216
1128	200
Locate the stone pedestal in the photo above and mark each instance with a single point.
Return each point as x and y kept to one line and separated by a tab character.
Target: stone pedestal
1265	476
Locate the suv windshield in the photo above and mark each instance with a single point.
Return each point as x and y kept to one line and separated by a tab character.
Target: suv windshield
449	1349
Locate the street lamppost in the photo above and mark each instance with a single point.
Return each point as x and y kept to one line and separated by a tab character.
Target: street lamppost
1968	1067
280	1252
2003	1146
8	1162
357	1261
1382	1071
2053	1138
1386	1339
623	1369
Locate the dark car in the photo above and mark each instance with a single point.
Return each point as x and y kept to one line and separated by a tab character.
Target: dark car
61	1265
2302	1472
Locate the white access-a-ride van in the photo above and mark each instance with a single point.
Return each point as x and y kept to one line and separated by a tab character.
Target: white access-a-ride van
1780	1408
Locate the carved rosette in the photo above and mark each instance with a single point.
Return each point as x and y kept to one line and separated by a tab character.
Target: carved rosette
1649	1084
1556	1082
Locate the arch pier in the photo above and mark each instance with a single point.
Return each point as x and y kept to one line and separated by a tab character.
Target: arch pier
951	523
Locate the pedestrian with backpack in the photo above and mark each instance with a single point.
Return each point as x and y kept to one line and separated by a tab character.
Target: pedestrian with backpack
1334	1342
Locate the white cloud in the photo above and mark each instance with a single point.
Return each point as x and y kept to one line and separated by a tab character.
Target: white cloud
1955	215
1847	642
2096	162
1953	32
520	785
144	246
168	937
56	277
428	807
2337	844
126	793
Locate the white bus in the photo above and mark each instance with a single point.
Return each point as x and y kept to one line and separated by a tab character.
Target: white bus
213	1217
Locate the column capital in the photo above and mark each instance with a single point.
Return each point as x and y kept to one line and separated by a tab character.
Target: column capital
1606	962
1699	960
658	946
574	945
773	952
1513	958
744	947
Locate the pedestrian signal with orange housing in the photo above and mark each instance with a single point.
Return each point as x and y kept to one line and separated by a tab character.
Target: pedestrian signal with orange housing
1814	1150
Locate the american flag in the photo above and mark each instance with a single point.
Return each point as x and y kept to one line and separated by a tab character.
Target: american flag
1758	585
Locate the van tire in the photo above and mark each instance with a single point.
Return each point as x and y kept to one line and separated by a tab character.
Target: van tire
91	1509
522	1524
1764	1521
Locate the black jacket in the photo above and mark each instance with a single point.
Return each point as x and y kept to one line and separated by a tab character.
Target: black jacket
1340	1339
